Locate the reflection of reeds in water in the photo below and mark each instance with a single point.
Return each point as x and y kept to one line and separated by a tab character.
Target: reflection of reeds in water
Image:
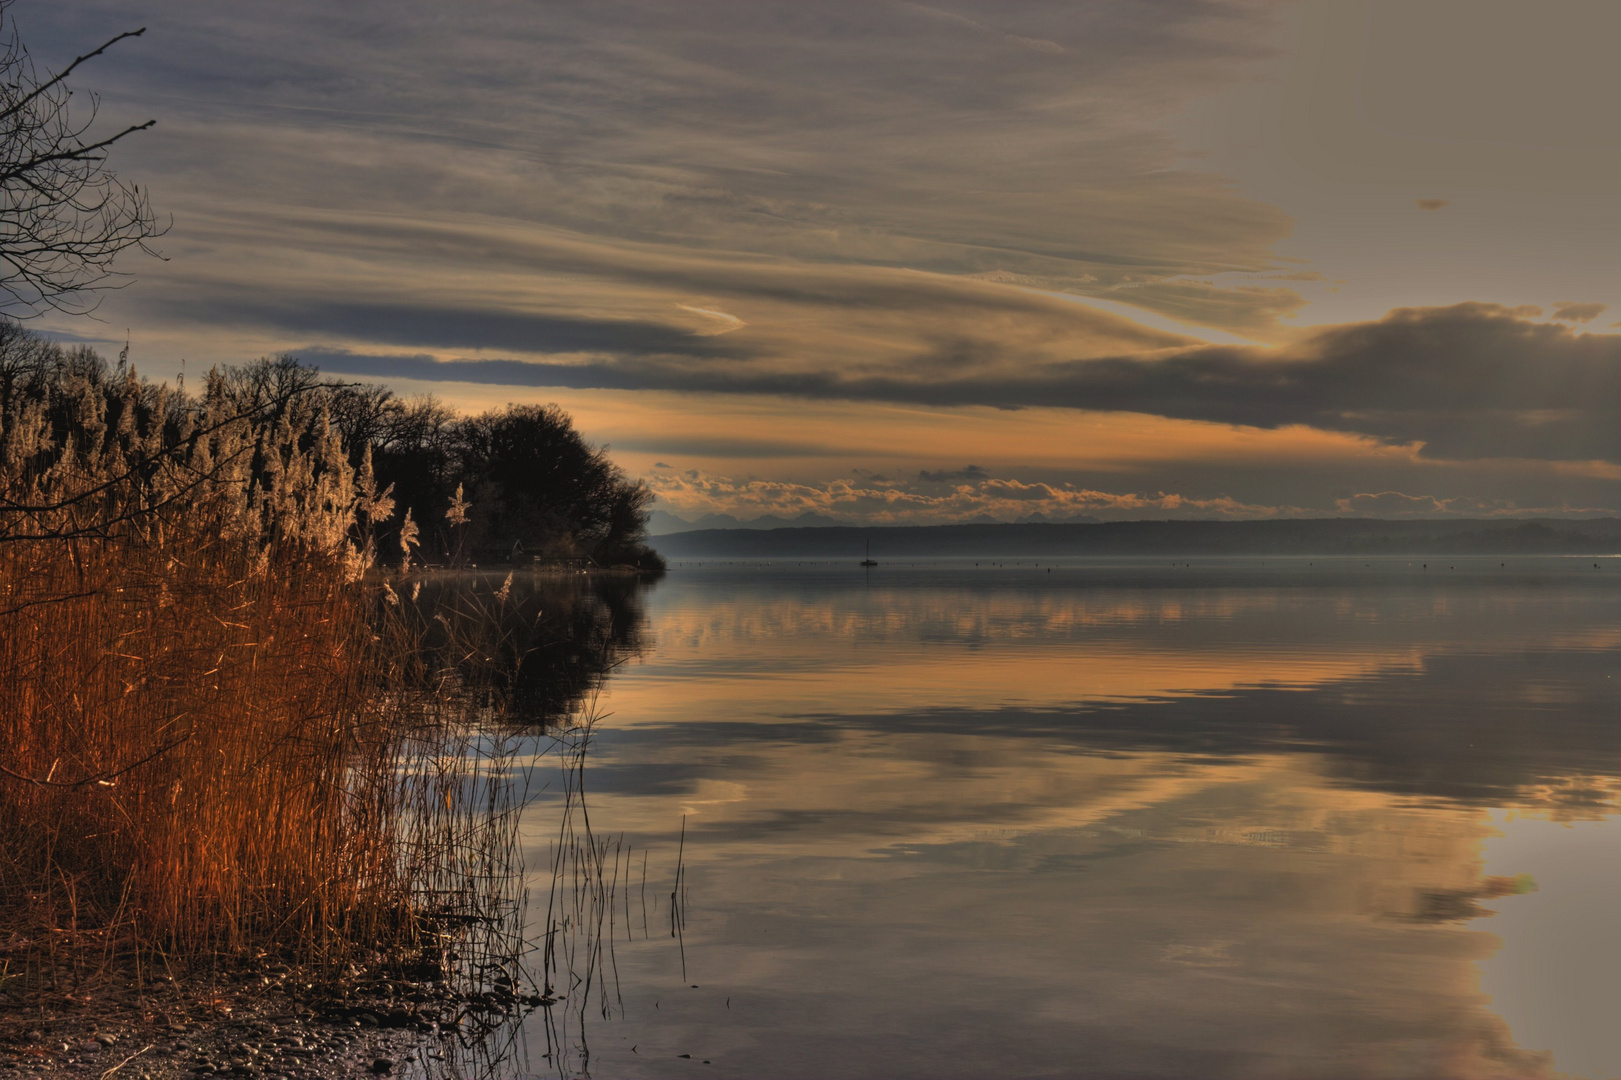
678	899
481	739
466	789
466	778
596	896
565	973
530	648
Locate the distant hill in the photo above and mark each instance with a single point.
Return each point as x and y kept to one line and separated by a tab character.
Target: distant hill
1311	536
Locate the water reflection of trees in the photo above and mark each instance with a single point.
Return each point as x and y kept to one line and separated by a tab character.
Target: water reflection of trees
529	648
510	665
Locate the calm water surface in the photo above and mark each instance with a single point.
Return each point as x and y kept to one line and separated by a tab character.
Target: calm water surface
1229	819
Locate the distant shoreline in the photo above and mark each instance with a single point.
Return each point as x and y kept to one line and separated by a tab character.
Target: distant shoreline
1307	536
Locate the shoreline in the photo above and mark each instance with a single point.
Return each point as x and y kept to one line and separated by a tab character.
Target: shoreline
249	1023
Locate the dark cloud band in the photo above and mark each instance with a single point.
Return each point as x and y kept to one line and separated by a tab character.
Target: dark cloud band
1470	381
426	326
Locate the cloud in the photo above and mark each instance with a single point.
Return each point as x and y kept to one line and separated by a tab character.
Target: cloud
871	501
544	293
946	476
727	323
429	326
1432	204
987	138
1471	381
1040	45
581	196
1396	504
1391	502
721	446
1577	312
1245	309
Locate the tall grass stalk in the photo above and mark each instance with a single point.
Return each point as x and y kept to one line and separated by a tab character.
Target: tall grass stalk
201	757
195	760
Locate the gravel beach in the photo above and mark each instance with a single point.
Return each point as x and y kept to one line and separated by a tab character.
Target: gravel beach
250	1027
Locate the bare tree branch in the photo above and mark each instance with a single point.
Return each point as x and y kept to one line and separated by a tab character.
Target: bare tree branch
62	75
64	215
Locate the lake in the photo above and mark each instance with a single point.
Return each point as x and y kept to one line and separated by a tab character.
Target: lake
1214	818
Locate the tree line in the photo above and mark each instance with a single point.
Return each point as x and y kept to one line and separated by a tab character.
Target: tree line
509	485
506	485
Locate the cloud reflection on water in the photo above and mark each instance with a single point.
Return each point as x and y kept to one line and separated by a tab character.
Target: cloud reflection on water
941	829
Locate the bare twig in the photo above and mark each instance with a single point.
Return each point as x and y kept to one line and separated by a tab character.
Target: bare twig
126	1061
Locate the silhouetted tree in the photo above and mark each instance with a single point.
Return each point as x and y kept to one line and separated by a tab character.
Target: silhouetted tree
529	482
64	215
536	482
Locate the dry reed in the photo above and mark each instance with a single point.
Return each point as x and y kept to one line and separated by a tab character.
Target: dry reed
194	759
200	757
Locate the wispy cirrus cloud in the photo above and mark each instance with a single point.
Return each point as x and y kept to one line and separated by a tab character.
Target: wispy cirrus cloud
967	138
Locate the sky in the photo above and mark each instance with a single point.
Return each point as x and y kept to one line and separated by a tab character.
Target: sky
905	263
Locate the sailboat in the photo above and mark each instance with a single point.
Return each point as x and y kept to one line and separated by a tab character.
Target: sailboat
868	561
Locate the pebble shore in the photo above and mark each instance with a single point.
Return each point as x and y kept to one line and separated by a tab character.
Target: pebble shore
268	1033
